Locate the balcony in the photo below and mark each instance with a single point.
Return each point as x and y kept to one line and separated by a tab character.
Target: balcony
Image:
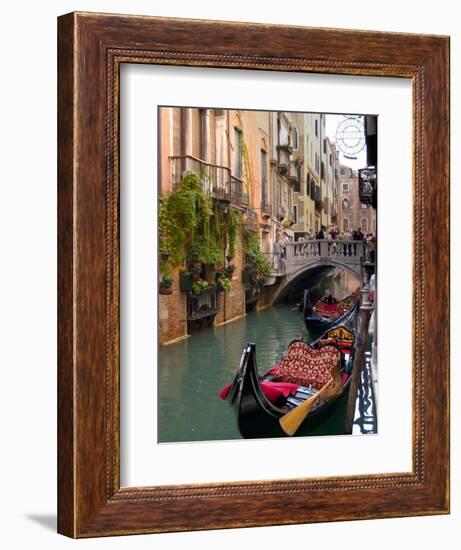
204	305
216	180
237	192
284	153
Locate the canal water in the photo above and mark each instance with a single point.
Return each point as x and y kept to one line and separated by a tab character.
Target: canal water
193	371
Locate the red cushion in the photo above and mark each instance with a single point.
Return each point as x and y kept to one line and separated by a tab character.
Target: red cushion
307	366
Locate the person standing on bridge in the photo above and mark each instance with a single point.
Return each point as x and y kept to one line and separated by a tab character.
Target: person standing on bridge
332	235
321	235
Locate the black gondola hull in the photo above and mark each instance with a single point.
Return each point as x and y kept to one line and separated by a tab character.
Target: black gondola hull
257	417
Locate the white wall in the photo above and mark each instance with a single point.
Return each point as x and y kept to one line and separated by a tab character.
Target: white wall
28	274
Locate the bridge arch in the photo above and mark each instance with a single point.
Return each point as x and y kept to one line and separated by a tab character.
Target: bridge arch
327	262
317	269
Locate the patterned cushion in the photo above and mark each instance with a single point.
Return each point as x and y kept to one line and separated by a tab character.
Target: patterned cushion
307	366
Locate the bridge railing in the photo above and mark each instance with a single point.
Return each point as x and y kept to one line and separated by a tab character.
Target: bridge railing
340	249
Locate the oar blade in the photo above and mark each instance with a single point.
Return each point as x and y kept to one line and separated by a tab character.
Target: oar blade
291	421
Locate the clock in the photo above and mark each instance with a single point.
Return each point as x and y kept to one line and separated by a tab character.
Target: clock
350	136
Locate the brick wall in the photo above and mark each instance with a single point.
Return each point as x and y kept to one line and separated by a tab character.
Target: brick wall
172	313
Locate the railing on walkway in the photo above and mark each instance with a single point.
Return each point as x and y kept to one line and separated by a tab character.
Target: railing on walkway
216	180
204	305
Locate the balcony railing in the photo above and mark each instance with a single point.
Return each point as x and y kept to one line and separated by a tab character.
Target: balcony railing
238	195
216	180
204	305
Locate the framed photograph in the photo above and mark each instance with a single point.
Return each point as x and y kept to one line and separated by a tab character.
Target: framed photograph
253	275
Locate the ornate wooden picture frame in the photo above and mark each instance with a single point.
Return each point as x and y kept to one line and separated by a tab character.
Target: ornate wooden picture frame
92	48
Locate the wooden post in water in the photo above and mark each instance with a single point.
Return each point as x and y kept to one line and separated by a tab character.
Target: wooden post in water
366	309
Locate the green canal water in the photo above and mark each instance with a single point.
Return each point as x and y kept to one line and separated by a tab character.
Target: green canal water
193	371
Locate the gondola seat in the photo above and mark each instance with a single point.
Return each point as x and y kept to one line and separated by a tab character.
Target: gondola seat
307	366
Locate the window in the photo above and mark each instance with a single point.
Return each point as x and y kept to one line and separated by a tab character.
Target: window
364	224
295	214
322	171
345	204
345	224
345	187
316	128
342	171
324	146
308	186
297	186
263	174
294	139
238	137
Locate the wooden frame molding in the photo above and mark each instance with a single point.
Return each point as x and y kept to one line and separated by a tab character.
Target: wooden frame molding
91	49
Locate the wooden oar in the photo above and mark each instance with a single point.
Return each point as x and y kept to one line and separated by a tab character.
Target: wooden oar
291	421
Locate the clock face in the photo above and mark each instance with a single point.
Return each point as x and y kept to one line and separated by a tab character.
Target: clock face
350	136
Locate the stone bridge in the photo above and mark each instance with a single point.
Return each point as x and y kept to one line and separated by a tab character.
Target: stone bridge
299	257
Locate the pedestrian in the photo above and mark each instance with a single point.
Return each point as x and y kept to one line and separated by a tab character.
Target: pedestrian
321	235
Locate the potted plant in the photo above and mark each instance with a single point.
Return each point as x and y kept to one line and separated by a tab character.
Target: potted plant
196	270
199	287
286	147
224	284
166	283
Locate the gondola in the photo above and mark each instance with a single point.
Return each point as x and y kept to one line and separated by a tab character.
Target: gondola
321	316
260	402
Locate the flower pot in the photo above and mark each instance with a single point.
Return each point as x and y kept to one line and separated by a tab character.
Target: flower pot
164	290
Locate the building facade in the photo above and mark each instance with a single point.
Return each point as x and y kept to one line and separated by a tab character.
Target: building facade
274	171
353	214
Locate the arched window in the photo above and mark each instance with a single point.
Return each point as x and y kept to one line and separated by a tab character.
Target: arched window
345	204
364	224
345	224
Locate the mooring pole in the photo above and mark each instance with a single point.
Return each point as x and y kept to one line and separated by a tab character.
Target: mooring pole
366	309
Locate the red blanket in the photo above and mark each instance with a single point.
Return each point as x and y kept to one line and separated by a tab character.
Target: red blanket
272	390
